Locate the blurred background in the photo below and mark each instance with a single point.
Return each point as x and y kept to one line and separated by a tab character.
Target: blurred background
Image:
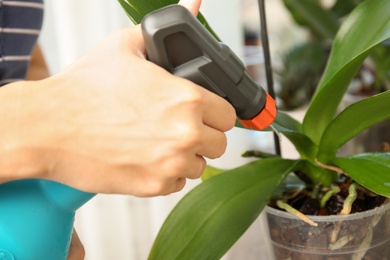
124	227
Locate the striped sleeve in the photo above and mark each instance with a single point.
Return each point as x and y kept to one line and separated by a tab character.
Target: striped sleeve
20	24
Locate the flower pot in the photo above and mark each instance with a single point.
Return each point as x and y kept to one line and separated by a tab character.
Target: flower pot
364	235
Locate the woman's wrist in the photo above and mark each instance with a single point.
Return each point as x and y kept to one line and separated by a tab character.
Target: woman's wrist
21	143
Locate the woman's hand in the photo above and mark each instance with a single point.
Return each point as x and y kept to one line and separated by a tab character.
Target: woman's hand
113	122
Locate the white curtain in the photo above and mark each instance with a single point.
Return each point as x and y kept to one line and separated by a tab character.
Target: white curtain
124	227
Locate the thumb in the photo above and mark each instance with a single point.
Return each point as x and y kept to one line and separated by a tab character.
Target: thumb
192	5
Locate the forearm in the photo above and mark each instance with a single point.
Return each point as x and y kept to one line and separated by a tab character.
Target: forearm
19	145
19	117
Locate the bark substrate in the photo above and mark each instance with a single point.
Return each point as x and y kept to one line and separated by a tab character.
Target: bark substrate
293	239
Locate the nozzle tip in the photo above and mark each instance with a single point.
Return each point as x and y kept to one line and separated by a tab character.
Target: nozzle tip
265	118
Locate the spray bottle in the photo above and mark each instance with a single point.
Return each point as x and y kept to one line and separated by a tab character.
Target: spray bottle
37	216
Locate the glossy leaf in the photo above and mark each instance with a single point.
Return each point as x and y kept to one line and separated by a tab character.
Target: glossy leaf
136	10
366	27
285	123
292	130
344	7
371	171
313	15
211	217
210	172
258	154
352	121
382	66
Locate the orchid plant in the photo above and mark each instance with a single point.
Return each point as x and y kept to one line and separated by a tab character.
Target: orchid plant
211	217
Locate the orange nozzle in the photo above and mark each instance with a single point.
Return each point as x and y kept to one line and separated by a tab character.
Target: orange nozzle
264	118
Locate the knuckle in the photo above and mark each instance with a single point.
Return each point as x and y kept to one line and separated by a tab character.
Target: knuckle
231	118
189	136
202	168
176	167
223	144
171	170
193	138
220	147
193	95
180	184
194	92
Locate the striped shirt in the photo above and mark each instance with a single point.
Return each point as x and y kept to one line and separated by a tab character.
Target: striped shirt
20	24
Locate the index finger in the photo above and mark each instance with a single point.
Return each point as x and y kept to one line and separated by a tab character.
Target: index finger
218	113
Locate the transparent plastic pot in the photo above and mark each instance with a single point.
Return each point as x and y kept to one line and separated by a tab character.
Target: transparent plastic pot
358	236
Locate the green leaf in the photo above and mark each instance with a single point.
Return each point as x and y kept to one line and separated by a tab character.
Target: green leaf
292	130
210	172
258	154
238	124
312	14
317	173
285	123
366	27
371	171
353	120
136	10
301	71
306	148
131	12
211	217
344	7
382	66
